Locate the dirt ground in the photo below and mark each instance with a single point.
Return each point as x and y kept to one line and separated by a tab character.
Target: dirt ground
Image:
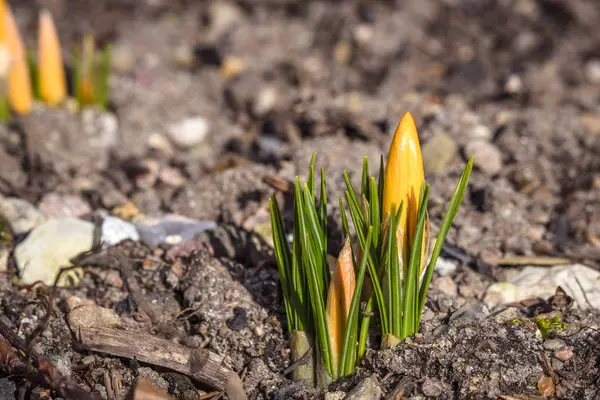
515	83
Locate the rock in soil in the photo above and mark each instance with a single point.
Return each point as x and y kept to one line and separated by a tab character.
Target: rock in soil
50	247
19	215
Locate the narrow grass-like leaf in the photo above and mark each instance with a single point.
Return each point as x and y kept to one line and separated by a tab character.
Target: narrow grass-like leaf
33	74
380	185
284	260
311	258
353	198
323	210
303	313
345	227
455	202
311	174
314	229
373	273
374	213
349	347
364	331
364	188
411	292
103	84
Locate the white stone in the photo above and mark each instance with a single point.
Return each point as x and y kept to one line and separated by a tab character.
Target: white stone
189	132
115	230
501	293
580	282
444	267
50	247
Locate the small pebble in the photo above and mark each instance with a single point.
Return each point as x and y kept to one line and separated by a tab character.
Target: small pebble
432	387
470	312
445	266
19	215
58	205
122	59
480	132
367	389
170	229
50	247
592	71
564	353
439	152
446	285
339	395
92	316
501	293
184	57
487	156
507	315
554	344
513	85
189	132
115	230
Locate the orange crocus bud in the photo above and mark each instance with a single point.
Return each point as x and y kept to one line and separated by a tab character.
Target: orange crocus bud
339	299
404	176
51	72
19	89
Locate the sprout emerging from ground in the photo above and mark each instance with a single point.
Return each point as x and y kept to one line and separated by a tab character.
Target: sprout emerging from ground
24	76
329	311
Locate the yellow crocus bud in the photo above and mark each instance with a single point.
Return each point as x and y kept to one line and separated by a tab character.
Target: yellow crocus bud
404	176
51	72
19	87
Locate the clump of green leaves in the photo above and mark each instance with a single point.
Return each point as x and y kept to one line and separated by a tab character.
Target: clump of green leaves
387	281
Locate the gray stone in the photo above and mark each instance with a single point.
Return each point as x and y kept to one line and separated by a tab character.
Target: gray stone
58	205
367	389
446	285
507	315
122	59
19	215
432	387
470	312
488	157
92	316
115	230
592	71
337	395
564	353
50	247
444	266
170	229
579	281
8	388
188	133
439	152
501	293
554	344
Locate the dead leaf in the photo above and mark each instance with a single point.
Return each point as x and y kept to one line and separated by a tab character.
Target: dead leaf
144	390
546	386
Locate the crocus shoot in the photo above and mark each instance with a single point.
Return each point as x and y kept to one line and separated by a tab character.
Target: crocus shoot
19	87
382	272
51	79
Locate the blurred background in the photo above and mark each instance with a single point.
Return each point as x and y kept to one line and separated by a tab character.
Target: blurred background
224	92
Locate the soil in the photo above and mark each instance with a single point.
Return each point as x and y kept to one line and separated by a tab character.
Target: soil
277	81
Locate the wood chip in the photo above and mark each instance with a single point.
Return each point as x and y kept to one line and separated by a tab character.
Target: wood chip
202	365
533	260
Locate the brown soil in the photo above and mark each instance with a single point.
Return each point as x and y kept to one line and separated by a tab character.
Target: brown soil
331	77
